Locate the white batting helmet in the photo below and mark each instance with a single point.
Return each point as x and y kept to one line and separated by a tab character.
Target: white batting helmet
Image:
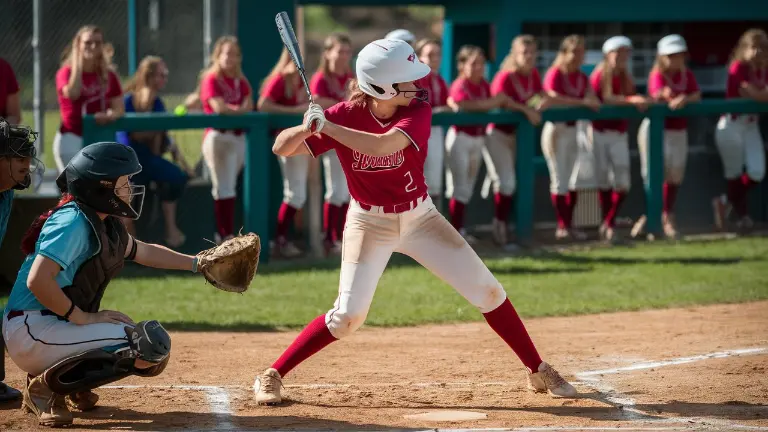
384	63
401	34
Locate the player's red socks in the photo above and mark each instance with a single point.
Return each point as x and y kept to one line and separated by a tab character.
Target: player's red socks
507	324
604	195
560	203
312	339
330	221
456	210
669	197
284	220
573	198
737	194
610	203
503	206
224	212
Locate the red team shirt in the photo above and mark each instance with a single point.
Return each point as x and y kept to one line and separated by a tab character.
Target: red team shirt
573	84
274	90
232	90
517	86
94	97
380	180
465	90
596	81
680	83
739	73
331	86
8	86
437	89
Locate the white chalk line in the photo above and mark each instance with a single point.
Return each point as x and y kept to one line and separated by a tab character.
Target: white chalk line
218	397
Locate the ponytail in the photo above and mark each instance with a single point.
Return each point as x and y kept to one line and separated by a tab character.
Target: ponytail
33	233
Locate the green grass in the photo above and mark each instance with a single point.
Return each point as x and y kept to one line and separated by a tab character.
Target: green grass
547	284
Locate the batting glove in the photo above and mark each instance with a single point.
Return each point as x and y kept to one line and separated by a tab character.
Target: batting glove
314	118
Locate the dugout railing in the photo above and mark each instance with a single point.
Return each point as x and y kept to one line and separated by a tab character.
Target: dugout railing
257	179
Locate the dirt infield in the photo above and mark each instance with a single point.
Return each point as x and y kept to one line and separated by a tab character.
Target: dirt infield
676	369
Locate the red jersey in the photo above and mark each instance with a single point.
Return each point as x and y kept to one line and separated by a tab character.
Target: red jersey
465	90
617	87
437	89
739	73
8	86
517	86
95	97
680	83
276	90
380	180
573	84
232	91
330	86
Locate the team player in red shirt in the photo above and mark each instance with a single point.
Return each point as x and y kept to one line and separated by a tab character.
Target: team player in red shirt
464	144
329	86
430	53
225	90
85	84
671	82
567	85
612	82
738	135
381	136
517	78
10	104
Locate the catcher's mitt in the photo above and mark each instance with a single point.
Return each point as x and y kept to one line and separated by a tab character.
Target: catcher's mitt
231	265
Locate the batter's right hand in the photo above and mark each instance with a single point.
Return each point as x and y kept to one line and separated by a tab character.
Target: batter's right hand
314	119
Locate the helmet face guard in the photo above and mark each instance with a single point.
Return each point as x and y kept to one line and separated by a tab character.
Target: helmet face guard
18	142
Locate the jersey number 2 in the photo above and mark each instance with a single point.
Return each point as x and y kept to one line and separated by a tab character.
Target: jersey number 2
410	187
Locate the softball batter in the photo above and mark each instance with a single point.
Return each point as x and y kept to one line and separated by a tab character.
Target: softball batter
612	83
464	144
671	82
518	79
329	86
383	159
559	141
738	135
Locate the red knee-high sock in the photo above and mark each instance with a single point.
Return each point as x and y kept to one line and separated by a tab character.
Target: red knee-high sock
503	206
748	182
224	211
737	193
573	198
456	210
604	195
669	197
330	220
560	203
284	220
342	220
507	324
312	339
617	198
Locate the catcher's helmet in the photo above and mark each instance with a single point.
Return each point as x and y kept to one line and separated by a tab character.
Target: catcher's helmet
19	142
92	174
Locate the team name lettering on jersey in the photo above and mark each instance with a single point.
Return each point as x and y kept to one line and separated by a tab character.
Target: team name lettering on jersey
364	162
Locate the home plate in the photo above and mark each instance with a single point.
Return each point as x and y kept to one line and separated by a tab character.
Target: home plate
447	416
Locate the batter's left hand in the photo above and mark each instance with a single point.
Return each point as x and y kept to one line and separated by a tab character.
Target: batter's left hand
314	119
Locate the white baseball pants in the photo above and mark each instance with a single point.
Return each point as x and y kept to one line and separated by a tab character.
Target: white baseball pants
224	153
675	152
611	151
370	238
464	158
740	146
65	147
336	189
433	167
499	155
560	146
36	342
295	171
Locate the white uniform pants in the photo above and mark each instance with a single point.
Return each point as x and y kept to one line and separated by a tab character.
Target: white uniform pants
36	342
433	167
336	189
295	171
370	238
560	146
740	146
65	147
465	154
611	151
499	155
675	153
224	154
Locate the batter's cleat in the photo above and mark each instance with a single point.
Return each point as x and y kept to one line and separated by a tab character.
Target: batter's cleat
8	393
719	208
49	407
548	379
639	226
267	387
82	401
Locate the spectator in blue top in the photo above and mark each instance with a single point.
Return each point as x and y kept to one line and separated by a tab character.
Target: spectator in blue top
141	95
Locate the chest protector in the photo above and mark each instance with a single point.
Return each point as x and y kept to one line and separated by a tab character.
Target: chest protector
94	275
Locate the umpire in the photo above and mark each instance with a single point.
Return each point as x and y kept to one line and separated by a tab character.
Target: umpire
17	161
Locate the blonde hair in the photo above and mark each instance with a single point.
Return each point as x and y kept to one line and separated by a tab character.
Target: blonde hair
67	56
509	63
466	52
357	97
149	66
660	66
331	41
606	77
213	62
282	62
567	46
423	43
751	37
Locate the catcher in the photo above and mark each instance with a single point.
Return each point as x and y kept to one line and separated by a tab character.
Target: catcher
53	327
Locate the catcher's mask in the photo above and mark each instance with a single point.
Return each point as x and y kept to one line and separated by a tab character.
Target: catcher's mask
18	142
94	176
